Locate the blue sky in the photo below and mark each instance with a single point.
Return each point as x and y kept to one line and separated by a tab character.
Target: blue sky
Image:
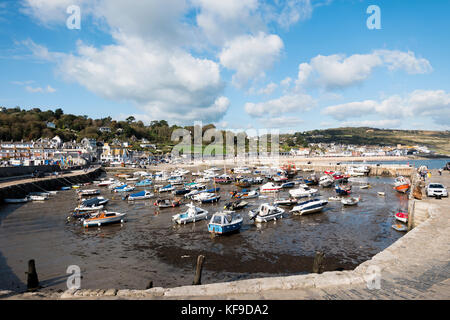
292	65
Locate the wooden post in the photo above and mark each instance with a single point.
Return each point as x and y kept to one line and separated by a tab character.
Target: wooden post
32	279
198	270
318	262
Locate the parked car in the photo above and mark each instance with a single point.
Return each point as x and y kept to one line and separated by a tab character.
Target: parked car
436	189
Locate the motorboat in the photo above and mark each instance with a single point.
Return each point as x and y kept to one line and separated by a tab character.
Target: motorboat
280	178
402	184
106	183
17	200
124	189
265	212
236	205
270	187
258	180
285	202
97	201
402	217
244	183
223	179
350	201
287	185
104	218
143	183
245	194
310	206
37	197
206	197
225	222
343	189
303	191
192	214
166	188
180	192
400	227
88	192
311	180
326	181
84	208
167	203
143	195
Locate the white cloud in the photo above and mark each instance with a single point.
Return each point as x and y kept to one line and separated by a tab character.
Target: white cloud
281	122
339	71
385	124
250	56
419	103
269	89
49	12
284	104
294	11
48	89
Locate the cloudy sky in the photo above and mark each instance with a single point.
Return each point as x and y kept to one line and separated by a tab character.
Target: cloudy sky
290	64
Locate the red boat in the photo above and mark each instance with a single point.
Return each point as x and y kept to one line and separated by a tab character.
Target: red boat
402	216
329	172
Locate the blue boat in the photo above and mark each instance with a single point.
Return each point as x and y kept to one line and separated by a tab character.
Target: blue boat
213	190
225	222
343	190
181	191
144	183
167	188
66	188
143	195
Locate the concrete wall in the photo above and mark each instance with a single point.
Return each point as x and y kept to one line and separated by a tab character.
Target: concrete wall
6	172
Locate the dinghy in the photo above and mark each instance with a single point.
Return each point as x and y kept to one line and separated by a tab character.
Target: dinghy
310	206
192	214
402	184
104	218
225	222
400	227
266	212
402	217
350	201
237	205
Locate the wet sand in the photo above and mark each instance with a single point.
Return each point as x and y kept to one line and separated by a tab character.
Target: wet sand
148	247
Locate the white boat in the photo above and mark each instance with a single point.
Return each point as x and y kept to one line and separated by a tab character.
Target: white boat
38	197
326	181
88	192
354	172
106	183
270	187
366	186
303	191
97	201
83	208
206	197
18	200
310	206
334	199
351	201
124	189
143	195
104	218
167	188
286	202
192	214
132	179
265	212
381	193
225	222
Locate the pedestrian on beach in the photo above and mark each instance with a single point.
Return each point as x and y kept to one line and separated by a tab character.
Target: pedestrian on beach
440	172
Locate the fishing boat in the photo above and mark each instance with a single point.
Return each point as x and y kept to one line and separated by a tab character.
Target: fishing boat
342	189
270	187
143	195
236	205
192	214
310	206
16	200
402	216
303	191
225	222
167	203
166	188
265	212
352	201
244	183
124	189
104	218
400	227
143	183
206	197
244	194
402	184
285	202
88	192
326	181
287	185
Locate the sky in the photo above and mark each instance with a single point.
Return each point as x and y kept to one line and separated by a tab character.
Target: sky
289	65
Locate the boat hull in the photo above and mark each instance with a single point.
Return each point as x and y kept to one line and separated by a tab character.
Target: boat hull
224	229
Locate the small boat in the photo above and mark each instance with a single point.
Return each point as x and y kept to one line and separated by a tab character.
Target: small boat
334	199
143	195
326	181
97	201
123	175
342	189
237	205
280	178
366	186
192	214
287	185
381	193
303	191
37	197
245	194
206	197
400	227
402	216
224	179
258	180
286	202
76	186
66	188
167	203
106	183
310	206
225	222
180	192
144	183
104	218
311	180
270	187
16	200
350	201
402	184
132	179
244	183
88	192
125	189
266	212
82	208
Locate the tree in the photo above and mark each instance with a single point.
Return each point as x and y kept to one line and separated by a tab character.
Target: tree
130	119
